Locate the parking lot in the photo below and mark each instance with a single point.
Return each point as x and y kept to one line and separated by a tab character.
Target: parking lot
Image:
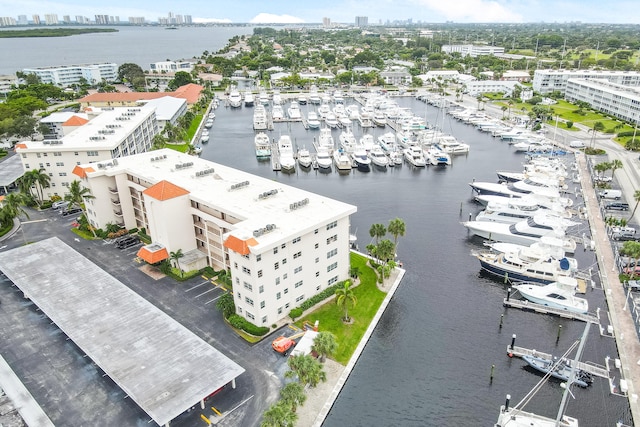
71	388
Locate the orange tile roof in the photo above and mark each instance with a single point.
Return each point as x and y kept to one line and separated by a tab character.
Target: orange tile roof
21	145
75	121
190	92
82	172
238	245
164	190
153	257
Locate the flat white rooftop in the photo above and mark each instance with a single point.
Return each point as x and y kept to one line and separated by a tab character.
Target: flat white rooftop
160	364
10	170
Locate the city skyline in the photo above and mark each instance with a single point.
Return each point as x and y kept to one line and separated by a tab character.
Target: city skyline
379	11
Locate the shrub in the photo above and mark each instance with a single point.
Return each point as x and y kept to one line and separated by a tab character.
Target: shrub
569	124
295	313
46	204
119	233
594	151
330	291
133	231
240	322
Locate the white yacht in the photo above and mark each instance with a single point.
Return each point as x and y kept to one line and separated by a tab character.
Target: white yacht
314	97
302	99
378	157
262	145
277	98
513	212
277	113
323	158
347	141
294	111
304	158
204	136
450	145
323	110
560	294
559	206
342	160
285	151
313	122
387	141
415	156
436	156
379	118
259	118
368	142
325	140
263	97
235	99
331	120
249	99
360	156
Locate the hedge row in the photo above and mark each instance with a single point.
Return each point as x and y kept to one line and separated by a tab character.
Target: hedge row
240	322
330	291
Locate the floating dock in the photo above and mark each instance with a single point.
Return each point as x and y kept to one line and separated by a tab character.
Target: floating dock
539	308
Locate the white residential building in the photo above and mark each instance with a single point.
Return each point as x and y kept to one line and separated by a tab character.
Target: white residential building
171	66
62	123
396	77
168	109
108	135
282	244
67	75
51	19
7	82
547	81
472	50
621	101
476	87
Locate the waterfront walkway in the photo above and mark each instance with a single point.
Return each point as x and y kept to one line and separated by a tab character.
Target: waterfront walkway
621	319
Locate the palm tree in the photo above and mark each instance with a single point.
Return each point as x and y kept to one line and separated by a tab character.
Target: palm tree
396	228
636	197
324	345
632	250
279	415
13	206
175	257
615	164
41	180
76	197
377	231
344	297
602	167
307	369
293	395
509	105
385	250
597	127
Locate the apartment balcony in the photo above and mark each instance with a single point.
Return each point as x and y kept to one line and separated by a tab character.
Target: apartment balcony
118	213
115	202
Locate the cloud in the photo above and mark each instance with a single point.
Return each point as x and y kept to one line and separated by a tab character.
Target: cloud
211	21
269	18
472	10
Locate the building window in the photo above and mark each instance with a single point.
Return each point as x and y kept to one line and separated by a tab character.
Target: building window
76	153
57	153
297	270
317	274
248	286
92	153
59	163
278	295
298	284
284	245
332	267
264	319
262	304
24	155
332	252
275	250
259	257
315	231
277	281
237	281
37	155
259	273
317	260
41	165
261	288
62	174
300	298
279	310
250	316
297	255
239	296
284	276
316	245
296	240
246	270
332	280
235	265
318	288
248	301
276	265
331	225
286	305
332	239
26	165
286	290
48	164
284	261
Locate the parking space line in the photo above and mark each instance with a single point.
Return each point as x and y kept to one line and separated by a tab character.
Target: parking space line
212	300
196	286
205	292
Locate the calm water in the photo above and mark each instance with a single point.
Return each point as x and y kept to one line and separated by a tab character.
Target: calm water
139	45
428	362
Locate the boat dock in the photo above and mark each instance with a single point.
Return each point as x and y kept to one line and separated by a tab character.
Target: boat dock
539	308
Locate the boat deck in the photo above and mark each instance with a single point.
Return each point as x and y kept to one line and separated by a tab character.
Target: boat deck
539	308
592	368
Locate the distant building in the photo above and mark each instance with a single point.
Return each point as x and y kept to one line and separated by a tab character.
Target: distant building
617	100
396	77
36	19
472	50
171	66
82	19
22	20
326	22
282	245
67	75
61	123
66	19
136	20
189	92
547	81
7	21
362	21
109	134
188	19
516	75
102	19
7	82
477	87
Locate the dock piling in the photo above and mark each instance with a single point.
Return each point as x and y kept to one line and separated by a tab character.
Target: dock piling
501	320
559	331
513	341
493	367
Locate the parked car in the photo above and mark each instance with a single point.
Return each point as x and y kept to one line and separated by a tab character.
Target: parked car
59	204
602	178
282	345
72	211
617	206
610	194
577	144
127	241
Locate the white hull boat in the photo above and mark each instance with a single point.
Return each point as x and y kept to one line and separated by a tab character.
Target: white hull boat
262	145
313	122
560	294
294	112
277	113
342	160
285	151
415	156
304	158
378	157
235	99
249	99
323	159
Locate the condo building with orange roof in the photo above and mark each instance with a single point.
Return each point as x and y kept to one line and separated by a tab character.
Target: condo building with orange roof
103	135
282	244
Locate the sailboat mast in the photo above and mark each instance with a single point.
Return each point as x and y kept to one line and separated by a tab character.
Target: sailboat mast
565	395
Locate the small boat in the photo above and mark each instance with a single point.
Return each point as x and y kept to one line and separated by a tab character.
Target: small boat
313	122
263	97
415	156
363	162
368	142
378	157
347	141
260	118
450	145
277	113
560	294
204	137
559	369
235	99
277	98
208	124
379	119
323	110
395	158
342	160
331	120
212	115
304	158
285	150
249	99
314	97
197	149
262	145
323	158
302	99
437	157
294	111
387	141
325	140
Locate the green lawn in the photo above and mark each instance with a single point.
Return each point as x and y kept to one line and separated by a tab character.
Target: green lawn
369	299
183	148
193	128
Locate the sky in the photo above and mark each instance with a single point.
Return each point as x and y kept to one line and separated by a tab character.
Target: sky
341	11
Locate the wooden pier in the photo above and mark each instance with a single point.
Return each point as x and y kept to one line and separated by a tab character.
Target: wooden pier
590	367
539	308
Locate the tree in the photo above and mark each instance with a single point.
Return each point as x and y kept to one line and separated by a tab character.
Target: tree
40	179
279	415
377	230
631	249
344	297
324	345
636	197
181	78
385	250
175	257
226	305
615	164
293	395
396	228
597	127
76	197
308	370
13	206
602	167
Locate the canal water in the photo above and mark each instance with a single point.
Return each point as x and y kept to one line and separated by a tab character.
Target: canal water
430	359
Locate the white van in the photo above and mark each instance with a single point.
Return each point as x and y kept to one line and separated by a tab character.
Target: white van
611	194
577	144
